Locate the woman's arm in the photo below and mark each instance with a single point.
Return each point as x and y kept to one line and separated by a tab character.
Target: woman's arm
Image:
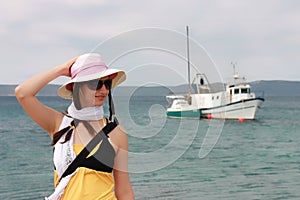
123	189
48	118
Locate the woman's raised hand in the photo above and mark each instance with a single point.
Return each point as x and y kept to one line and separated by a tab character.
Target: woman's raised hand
67	66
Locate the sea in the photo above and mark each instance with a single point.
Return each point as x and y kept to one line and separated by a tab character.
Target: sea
169	158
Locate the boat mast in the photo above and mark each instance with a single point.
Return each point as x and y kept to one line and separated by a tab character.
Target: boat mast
236	76
188	54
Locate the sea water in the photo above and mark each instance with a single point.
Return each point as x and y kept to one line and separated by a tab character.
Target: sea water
169	158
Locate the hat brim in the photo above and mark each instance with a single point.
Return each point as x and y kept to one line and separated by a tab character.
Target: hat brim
120	77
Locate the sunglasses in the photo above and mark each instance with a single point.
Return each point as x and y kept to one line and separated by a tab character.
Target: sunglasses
97	84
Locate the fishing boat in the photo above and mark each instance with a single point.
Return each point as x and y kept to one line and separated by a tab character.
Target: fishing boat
234	100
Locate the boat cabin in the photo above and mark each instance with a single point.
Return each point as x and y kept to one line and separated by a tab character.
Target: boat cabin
239	92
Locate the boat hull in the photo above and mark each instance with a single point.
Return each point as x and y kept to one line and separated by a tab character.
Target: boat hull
184	113
244	109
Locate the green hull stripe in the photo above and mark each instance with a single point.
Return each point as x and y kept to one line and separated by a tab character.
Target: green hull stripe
189	113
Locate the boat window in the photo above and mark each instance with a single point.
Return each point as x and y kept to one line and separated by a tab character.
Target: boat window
213	98
217	97
180	103
244	91
236	91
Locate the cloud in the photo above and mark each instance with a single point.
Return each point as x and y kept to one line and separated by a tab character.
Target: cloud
264	32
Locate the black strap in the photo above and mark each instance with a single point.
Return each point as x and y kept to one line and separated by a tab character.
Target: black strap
112	112
89	147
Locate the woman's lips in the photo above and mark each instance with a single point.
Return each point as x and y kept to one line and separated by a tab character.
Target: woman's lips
101	96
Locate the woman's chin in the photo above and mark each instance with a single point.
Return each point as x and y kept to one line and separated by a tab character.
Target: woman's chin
99	102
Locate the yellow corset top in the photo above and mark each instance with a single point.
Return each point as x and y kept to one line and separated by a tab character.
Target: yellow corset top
88	183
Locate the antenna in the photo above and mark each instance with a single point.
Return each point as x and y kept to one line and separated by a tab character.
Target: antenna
235	74
188	53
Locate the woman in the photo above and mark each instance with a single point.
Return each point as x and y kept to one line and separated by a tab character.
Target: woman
102	172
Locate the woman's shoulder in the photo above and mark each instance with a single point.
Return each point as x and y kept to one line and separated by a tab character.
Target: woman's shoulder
119	136
119	131
118	128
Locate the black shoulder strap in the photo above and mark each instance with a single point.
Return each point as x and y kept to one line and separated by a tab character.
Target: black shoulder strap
89	147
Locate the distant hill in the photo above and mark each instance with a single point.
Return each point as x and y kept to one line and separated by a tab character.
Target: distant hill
9	90
277	88
270	88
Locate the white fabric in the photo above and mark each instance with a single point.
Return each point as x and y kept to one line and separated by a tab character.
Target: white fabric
63	156
89	113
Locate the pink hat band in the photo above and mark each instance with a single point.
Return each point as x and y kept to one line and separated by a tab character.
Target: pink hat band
88	69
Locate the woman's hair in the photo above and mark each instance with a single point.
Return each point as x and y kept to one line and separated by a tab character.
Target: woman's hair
69	130
76	96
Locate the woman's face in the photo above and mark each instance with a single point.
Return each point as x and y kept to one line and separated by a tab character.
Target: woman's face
93	93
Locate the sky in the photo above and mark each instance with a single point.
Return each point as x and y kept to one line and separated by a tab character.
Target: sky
147	39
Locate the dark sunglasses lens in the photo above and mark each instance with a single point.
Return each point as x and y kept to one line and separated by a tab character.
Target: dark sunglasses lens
97	84
93	85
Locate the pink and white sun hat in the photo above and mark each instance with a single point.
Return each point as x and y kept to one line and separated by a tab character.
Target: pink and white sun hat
88	67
